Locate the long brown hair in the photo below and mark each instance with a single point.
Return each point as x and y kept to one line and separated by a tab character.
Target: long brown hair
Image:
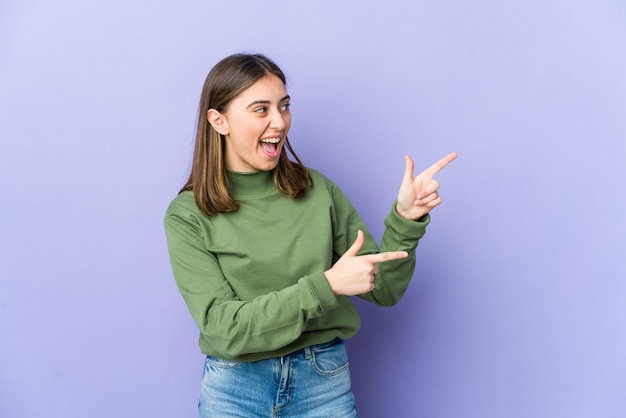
208	178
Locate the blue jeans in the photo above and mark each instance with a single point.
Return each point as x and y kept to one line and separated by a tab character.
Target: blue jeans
312	382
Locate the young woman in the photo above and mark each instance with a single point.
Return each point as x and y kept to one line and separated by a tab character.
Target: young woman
267	252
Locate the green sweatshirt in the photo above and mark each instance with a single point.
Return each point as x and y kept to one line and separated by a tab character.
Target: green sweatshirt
253	279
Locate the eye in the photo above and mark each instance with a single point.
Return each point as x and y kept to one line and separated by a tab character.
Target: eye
261	109
285	107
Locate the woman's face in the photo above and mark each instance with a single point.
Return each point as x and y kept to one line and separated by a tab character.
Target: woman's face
255	125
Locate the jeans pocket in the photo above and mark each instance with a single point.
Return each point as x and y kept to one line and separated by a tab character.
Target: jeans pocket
220	363
329	359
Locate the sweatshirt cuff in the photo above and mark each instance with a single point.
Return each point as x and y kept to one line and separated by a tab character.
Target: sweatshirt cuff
406	227
320	288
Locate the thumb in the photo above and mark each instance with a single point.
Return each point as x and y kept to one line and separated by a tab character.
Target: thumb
356	246
408	171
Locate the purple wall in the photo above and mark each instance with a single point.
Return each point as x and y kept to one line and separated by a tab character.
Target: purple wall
517	306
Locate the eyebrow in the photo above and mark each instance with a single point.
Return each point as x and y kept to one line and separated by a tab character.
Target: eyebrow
256	102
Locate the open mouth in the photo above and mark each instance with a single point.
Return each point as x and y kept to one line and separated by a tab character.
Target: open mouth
270	145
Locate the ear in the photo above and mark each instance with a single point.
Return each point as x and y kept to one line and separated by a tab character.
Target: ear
218	121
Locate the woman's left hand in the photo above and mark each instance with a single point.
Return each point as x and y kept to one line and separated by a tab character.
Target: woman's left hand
418	195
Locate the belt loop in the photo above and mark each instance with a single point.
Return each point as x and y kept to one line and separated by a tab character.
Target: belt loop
307	352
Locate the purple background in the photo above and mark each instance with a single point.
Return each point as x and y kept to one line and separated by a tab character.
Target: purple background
517	308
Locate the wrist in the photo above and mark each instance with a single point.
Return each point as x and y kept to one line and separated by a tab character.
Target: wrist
404	213
414	214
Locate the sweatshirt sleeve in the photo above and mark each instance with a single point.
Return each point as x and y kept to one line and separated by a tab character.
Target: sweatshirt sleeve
400	234
394	276
233	327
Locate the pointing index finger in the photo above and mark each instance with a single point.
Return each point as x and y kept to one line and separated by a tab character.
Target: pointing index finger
386	256
435	168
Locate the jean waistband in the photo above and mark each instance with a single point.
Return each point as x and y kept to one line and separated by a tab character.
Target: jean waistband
308	350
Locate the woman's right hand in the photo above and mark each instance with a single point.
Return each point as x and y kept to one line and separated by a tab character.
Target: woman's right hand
354	274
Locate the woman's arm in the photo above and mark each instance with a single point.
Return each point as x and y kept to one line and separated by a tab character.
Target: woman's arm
383	278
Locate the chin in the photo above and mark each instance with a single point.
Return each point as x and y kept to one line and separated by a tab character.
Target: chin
269	165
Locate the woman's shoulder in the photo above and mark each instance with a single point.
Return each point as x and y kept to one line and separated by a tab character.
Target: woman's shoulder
183	203
319	177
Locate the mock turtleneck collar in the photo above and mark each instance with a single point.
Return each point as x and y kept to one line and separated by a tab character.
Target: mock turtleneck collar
251	184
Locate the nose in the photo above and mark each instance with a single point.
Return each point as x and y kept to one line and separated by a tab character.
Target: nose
277	120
